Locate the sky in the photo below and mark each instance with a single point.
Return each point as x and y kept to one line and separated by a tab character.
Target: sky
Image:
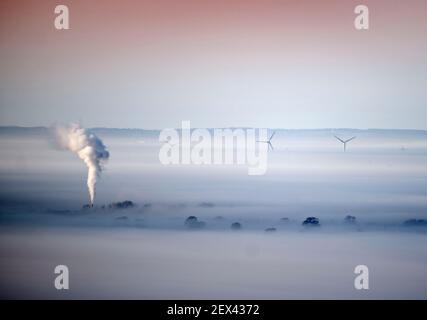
258	63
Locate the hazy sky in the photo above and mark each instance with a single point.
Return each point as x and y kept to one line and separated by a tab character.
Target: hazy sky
154	63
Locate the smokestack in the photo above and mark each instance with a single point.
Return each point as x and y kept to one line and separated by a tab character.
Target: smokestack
88	147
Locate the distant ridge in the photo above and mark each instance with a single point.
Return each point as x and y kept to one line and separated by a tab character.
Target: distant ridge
135	132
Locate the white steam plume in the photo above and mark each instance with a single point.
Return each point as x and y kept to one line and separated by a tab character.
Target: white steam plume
88	147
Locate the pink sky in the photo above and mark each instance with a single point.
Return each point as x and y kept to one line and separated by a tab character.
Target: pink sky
171	46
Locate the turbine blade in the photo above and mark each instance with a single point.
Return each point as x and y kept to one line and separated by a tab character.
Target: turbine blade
339	139
270	145
272	136
350	139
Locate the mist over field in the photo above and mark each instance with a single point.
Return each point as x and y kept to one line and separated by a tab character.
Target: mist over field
147	251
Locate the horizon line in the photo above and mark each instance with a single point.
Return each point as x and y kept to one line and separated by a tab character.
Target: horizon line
227	127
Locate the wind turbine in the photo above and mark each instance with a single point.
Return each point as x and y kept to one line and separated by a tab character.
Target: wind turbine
345	141
269	141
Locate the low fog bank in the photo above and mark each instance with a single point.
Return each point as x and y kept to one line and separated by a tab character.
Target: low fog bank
213	231
380	180
131	264
381	177
202	216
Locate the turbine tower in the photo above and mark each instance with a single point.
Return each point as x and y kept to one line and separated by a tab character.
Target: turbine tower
344	142
269	141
